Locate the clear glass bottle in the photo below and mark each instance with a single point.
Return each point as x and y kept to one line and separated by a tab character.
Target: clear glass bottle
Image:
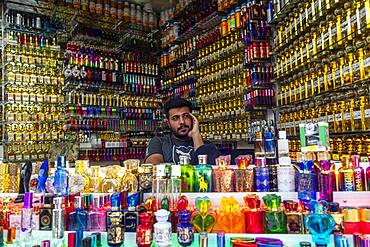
174	186
160	190
285	170
270	146
61	177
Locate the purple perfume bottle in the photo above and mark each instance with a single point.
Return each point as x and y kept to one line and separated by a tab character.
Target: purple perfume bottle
326	178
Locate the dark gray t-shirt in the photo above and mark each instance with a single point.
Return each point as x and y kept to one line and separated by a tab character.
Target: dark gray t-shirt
171	148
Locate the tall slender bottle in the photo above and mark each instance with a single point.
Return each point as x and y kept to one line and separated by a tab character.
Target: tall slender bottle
187	174
286	172
346	178
203	174
359	174
326	177
58	220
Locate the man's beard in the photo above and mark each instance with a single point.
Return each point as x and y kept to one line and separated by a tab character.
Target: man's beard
180	132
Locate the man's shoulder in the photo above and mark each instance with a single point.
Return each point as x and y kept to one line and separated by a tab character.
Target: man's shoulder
161	139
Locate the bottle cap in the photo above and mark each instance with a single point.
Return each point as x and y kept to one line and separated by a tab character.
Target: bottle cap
79	202
28	196
351	215
175	171
45	243
364	214
58	202
184	159
161	170
98	238
333	207
203	159
145	218
162	215
260	162
282	134
268	135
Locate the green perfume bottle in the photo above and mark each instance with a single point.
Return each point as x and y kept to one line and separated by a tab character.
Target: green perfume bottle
275	219
203	175
187	174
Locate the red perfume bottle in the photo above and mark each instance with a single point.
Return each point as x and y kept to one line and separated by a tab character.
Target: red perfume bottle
144	232
254	215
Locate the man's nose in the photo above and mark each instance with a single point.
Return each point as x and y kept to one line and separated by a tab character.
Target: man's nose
182	119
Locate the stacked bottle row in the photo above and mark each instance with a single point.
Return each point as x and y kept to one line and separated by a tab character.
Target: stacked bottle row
101	68
321	49
34	100
116	10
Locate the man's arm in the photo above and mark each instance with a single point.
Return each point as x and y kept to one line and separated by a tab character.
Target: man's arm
154	153
154	159
195	133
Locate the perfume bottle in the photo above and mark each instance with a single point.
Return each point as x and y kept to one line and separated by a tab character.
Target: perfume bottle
223	178
43	175
275	219
160	187
95	179
269	146
131	215
58	219
244	175
96	218
146	177
144	232
162	229
203	219
174	186
115	226
4	178
129	181
261	172
346	179
185	231
285	170
306	179
27	213
294	215
254	215
78	218
187	174
358	171
203	174
61	177
326	177
319	223
230	217
338	217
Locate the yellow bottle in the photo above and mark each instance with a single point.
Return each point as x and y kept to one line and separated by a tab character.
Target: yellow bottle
4	178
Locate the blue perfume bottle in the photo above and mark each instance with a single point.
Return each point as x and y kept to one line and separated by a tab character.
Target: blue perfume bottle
270	146
261	179
185	232
61	177
77	219
43	175
306	180
319	223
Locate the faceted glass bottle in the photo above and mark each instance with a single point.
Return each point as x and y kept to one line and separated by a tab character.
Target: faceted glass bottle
346	178
160	189
61	177
78	218
187	174
96	218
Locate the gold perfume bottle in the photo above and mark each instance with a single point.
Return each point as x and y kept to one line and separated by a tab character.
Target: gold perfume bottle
4	178
81	168
95	180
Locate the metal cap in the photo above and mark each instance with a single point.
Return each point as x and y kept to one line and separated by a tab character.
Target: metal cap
184	159
58	202
79	202
203	159
351	215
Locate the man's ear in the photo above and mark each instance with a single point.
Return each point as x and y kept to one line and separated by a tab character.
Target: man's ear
166	124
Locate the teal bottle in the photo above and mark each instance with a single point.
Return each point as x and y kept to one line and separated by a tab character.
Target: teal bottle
203	175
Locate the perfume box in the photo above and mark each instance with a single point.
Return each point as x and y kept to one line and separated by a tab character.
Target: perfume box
131	220
15	221
314	137
46	218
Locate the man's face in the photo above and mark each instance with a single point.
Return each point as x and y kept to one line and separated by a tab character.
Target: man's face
180	121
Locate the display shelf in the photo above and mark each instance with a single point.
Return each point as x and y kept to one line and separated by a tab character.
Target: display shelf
291	240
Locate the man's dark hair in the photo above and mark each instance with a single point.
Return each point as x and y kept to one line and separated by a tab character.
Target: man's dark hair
176	103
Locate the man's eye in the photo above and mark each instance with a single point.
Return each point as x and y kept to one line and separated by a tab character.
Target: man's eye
175	118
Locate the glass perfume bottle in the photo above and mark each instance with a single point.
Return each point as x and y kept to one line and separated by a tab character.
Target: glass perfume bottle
338	218
115	226
346	179
261	172
230	217
254	215
275	219
129	181
306	179
285	170
223	178
61	177
96	218
144	232
4	178
162	229
294	215
174	186
203	174
358	171
160	190
78	218
203	219
95	179
244	175
326	177
146	177
185	231
269	146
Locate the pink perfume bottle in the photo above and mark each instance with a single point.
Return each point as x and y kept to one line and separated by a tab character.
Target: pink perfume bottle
96	217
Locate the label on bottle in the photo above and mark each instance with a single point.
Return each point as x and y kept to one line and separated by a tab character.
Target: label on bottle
356	67
357	115
347	116
367	113
330	118
338	117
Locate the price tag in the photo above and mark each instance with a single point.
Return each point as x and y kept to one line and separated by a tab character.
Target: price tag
330	118
356	67
338	117
357	115
367	113
323	119
347	116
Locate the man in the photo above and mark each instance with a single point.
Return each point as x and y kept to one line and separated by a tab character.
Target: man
184	139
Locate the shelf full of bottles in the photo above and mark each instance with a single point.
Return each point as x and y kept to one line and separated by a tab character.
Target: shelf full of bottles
111	95
32	95
322	66
235	73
